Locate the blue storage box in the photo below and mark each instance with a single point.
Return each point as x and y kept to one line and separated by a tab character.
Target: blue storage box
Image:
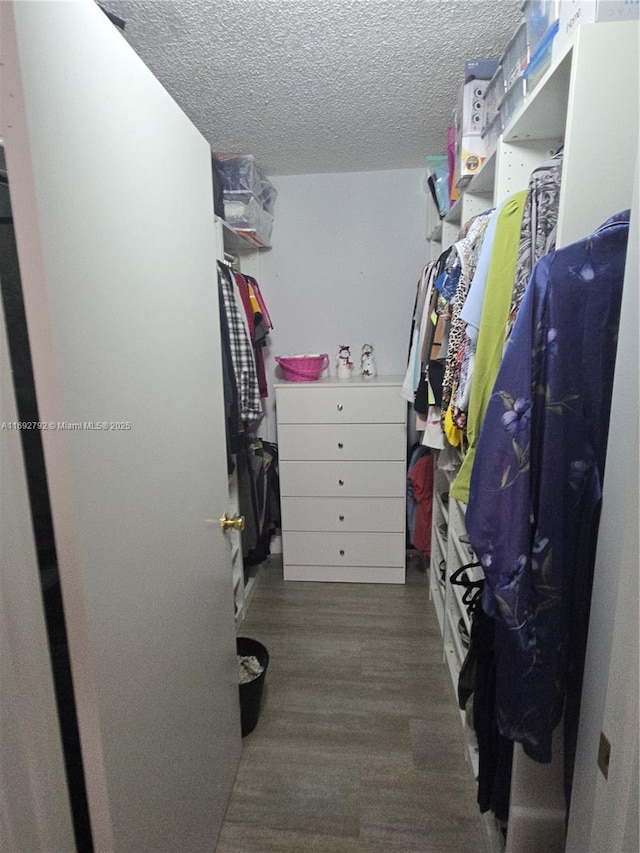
539	15
541	59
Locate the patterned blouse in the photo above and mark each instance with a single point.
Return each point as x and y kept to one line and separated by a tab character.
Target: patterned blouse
468	249
539	227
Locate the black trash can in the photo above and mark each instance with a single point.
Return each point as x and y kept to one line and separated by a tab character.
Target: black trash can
251	692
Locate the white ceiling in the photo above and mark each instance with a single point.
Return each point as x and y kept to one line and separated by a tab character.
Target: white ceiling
318	85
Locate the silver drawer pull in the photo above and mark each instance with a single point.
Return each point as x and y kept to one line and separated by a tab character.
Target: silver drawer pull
341	553
341	482
340	445
339	407
341	518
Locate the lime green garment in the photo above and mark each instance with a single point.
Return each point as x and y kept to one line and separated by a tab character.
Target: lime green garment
493	321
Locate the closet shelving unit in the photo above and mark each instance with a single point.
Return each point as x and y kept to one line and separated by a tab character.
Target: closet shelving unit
238	244
587	102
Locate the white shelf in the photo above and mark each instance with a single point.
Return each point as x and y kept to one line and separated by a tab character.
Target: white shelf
238	240
464	553
455	594
483	181
438	604
453	663
543	113
443	508
454	639
455	214
436	234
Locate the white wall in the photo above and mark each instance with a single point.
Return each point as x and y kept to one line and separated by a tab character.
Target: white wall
347	253
604	813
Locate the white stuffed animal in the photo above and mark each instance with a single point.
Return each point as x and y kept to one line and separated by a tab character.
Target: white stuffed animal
345	364
367	363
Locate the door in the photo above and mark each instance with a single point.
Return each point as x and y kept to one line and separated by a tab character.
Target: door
34	802
113	210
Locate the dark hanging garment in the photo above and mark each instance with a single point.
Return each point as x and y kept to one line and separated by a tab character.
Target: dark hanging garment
536	483
495	752
267	490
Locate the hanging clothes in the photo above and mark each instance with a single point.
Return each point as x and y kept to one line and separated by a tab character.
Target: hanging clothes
420	480
468	249
471	311
242	356
262	326
256	326
495	310
539	227
234	427
469	317
262	308
537	480
412	374
495	752
433	307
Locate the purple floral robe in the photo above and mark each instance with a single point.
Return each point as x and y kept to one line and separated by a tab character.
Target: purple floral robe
537	478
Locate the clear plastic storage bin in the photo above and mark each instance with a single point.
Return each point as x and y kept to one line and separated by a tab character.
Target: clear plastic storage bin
241	173
539	15
516	56
512	101
541	59
243	211
491	134
494	93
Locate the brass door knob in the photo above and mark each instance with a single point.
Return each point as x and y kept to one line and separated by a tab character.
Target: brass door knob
236	523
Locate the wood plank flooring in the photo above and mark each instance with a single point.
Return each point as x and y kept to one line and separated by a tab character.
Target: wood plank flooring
359	747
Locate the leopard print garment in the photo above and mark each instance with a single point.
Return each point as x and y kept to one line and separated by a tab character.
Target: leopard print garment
468	249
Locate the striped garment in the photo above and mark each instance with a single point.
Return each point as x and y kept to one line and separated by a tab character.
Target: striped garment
242	357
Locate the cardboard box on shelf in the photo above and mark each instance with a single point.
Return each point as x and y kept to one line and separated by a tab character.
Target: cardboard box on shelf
576	12
470	147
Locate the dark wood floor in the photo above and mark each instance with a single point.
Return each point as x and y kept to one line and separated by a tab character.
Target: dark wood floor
359	747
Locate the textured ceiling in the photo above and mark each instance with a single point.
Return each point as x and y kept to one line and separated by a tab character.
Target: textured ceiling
318	85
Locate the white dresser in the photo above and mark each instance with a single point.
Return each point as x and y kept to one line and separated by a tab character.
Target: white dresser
342	452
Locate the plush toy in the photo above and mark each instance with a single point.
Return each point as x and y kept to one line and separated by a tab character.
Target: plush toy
367	363
345	364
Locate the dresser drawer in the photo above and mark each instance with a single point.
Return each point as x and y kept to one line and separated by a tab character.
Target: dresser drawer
373	515
342	441
338	404
343	479
345	574
343	549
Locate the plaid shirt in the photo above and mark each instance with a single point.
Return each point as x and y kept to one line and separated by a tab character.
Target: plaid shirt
242	357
